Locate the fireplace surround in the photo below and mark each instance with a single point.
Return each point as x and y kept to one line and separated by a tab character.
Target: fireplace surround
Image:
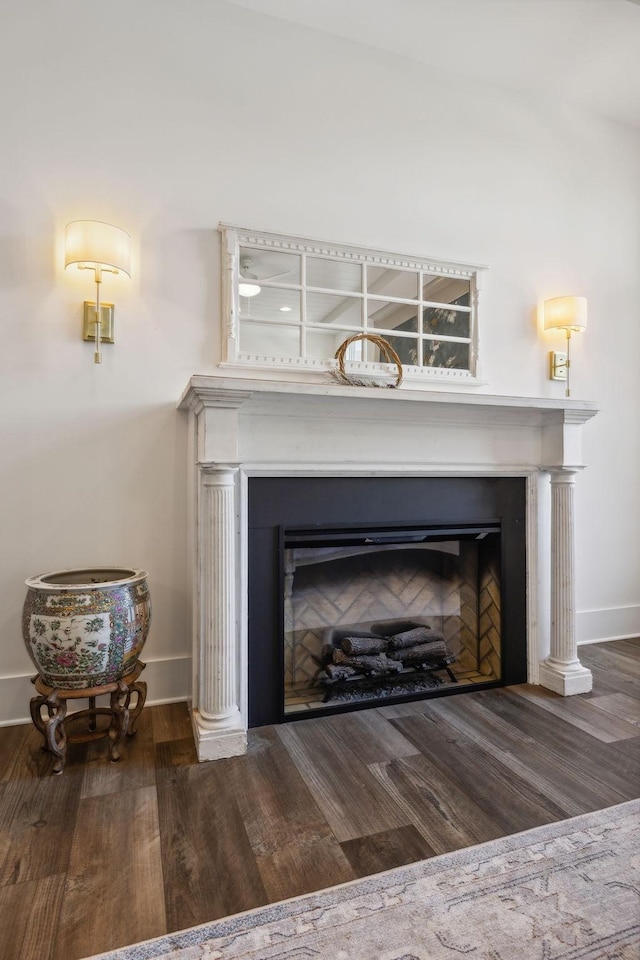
246	429
338	557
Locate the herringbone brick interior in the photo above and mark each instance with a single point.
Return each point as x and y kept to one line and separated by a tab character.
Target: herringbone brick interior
442	586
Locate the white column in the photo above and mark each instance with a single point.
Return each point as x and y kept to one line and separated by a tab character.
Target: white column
218	724
562	671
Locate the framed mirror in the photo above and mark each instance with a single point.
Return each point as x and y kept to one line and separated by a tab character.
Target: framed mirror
289	302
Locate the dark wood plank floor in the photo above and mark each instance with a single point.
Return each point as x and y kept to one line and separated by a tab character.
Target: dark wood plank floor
109	854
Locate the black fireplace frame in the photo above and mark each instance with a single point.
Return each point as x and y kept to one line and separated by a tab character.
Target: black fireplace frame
276	504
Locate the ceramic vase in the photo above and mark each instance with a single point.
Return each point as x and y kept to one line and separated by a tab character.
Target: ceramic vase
84	628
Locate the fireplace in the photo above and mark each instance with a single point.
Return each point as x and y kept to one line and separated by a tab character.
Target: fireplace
364	591
376	615
360	460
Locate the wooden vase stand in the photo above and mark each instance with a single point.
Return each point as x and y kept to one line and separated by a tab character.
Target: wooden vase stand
55	727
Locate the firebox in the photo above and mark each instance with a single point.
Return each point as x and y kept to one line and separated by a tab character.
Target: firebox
372	613
366	591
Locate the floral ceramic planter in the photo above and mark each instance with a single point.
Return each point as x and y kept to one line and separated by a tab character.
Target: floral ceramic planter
85	628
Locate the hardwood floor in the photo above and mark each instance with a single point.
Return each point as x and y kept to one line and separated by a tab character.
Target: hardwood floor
109	854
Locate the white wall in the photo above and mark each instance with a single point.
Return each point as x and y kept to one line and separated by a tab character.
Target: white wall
167	118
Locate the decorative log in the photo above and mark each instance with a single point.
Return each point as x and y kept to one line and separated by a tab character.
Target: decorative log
423	653
411	638
379	664
339	672
356	646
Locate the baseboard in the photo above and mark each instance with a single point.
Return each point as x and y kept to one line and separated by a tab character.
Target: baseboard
170	680
610	623
167	681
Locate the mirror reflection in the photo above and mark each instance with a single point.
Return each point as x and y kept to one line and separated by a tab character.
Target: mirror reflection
271	305
334	274
301	300
280	341
447	323
267	266
392	316
334	309
445	290
446	353
324	343
390	282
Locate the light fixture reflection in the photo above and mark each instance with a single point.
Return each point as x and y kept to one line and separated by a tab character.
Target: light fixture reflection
246	288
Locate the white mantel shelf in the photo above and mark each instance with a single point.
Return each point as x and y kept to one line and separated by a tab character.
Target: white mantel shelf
231	391
244	427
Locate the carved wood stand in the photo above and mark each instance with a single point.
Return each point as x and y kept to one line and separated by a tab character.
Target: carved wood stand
55	726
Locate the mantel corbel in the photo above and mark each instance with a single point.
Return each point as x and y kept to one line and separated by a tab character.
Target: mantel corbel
562	440
215	407
200	393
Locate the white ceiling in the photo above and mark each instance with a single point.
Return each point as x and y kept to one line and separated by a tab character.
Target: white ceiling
585	51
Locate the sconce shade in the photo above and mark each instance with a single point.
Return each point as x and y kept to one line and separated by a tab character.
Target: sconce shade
92	242
566	313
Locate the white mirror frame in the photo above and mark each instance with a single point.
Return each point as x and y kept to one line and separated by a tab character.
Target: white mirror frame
233	238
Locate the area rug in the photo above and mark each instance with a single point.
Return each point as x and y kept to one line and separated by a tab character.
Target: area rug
564	891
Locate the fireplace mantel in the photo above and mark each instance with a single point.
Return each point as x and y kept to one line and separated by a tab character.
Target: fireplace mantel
245	427
205	391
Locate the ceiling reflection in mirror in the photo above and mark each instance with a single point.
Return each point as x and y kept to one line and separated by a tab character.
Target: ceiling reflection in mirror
268	266
383	315
334	309
387	282
334	274
271	305
444	289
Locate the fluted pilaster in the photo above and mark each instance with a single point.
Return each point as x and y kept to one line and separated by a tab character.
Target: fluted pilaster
218	722
562	670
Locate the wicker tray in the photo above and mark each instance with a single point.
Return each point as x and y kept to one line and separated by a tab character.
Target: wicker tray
362	380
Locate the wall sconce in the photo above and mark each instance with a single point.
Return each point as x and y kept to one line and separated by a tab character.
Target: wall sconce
100	247
568	314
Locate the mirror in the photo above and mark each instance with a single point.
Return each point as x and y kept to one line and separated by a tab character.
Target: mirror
295	300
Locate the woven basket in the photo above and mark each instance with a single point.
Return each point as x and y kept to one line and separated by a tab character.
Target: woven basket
360	380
